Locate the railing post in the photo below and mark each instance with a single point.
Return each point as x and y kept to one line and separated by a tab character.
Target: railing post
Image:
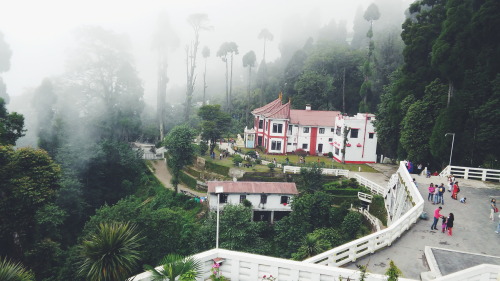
483	177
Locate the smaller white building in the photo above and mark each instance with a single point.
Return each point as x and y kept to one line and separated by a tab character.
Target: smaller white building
270	200
361	145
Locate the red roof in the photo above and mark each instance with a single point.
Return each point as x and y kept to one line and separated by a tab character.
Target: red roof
313	117
254	187
268	107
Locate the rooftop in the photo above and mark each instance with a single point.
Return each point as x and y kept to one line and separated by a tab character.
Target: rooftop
254	187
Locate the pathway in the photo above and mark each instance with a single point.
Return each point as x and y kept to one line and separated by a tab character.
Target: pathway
163	175
473	231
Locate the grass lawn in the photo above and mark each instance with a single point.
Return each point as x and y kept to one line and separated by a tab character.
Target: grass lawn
323	161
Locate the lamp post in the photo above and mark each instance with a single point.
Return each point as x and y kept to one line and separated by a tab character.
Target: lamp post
452	142
218	191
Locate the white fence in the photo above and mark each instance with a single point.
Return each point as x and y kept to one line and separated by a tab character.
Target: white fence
373	187
369	244
242	266
324	171
472	173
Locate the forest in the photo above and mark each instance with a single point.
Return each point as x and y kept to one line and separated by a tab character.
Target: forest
427	72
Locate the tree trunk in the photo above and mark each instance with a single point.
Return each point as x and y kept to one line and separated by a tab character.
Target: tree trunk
205	83
227	87
248	94
450	92
231	83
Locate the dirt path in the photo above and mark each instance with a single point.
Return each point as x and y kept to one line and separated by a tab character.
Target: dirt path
163	175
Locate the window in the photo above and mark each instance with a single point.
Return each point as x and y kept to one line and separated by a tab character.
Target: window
263	198
267	124
371	135
243	198
354	133
332	130
288	144
261	124
277	128
338	130
285	200
223	198
330	139
321	130
337	151
306	130
290	129
304	146
276	145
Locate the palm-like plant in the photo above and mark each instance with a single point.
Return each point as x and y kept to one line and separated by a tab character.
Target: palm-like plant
173	266
111	253
11	271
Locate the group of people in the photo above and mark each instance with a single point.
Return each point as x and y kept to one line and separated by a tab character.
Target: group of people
436	194
446	221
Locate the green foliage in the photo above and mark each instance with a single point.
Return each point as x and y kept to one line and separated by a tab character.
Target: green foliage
214	124
377	208
11	125
351	225
203	148
393	272
188	180
271	166
237	159
11	271
176	266
180	150
216	168
111	253
311	246
310	179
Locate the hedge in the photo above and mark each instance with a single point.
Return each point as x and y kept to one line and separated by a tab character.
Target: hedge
187	180
216	168
344	192
193	172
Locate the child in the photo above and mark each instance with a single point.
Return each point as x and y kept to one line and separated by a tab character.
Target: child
463	199
443	223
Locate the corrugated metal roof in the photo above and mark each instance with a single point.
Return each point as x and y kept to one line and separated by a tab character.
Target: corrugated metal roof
268	107
313	117
281	112
254	187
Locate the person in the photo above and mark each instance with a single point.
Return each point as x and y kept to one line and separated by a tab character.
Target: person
435	174
428	174
415	183
451	180
463	200
419	168
449	223
436	195
493	206
456	190
287	160
442	190
437	215
498	227
430	197
443	223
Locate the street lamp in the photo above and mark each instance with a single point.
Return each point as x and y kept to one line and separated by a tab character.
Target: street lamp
452	142
218	191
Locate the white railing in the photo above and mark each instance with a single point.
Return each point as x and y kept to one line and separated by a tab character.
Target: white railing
369	244
373	187
373	220
324	171
471	173
486	272
365	197
243	266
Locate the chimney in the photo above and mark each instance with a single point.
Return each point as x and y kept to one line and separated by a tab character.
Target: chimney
308	107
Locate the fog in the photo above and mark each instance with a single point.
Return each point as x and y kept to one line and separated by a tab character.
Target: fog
40	33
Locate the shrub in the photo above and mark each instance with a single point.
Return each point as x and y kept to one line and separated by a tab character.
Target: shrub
300	152
187	180
377	208
216	168
237	159
251	153
271	166
330	155
258	161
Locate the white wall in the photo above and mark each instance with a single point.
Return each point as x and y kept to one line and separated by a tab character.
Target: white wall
362	149
273	201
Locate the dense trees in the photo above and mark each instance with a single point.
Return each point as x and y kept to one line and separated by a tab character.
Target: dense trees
11	125
214	124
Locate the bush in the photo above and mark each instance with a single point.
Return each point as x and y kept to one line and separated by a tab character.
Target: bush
300	152
330	155
251	153
377	208
258	161
237	159
203	148
271	166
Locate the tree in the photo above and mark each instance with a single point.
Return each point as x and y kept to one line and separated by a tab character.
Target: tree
351	225
310	180
393	272
206	53
176	266
164	41
198	22
311	246
111	253
12	271
181	150
11	125
225	50
214	124
249	61
266	36
5	55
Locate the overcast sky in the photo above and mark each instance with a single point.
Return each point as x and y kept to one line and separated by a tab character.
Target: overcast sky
40	32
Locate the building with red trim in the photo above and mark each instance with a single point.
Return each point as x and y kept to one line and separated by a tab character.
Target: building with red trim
280	130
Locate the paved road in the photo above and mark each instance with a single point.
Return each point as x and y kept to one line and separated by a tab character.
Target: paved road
161	172
473	231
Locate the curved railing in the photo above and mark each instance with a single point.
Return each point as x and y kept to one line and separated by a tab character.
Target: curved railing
369	244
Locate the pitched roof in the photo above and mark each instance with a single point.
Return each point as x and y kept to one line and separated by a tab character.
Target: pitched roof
268	107
254	187
313	117
279	112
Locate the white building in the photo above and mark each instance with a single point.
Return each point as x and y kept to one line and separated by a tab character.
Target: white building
270	200
281	130
361	141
